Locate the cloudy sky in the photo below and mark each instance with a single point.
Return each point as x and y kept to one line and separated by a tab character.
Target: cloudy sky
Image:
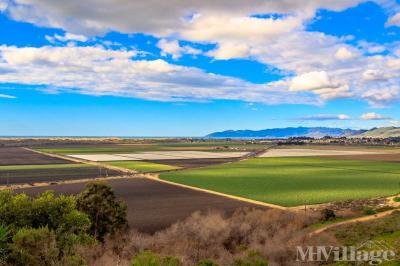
191	67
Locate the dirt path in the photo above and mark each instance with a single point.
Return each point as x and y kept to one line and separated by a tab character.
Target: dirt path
155	177
98	164
355	220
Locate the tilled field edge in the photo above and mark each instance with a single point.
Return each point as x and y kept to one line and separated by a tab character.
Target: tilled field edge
111	167
260	203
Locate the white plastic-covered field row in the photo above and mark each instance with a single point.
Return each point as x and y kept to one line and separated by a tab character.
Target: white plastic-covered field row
311	152
158	155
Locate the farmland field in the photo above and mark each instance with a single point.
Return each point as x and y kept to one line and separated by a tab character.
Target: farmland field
25	174
142	166
170	146
291	181
20	156
152	205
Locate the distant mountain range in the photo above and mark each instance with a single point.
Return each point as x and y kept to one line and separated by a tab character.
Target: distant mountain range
315	132
383	132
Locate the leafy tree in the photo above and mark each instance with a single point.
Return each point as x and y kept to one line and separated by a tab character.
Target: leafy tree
4	237
148	258
59	215
107	214
34	247
328	214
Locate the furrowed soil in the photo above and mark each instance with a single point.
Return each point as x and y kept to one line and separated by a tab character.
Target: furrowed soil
154	205
390	157
20	156
39	175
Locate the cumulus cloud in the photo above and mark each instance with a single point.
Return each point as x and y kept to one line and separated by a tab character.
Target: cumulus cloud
229	51
374	116
394	20
394	64
375	75
324	66
101	71
66	37
380	97
344	54
3	5
227	29
311	81
320	83
99	17
174	49
325	117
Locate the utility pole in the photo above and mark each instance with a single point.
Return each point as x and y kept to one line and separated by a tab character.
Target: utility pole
305	208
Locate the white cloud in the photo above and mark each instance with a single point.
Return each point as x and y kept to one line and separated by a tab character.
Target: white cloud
380	97
323	117
230	50
394	64
344	54
311	81
67	37
3	5
374	75
394	20
100	71
7	96
373	116
337	68
227	29
154	17
174	49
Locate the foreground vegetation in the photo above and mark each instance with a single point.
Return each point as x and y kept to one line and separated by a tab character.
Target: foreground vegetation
142	166
48	230
91	229
294	181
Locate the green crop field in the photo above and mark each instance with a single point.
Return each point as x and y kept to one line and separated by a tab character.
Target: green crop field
293	181
142	166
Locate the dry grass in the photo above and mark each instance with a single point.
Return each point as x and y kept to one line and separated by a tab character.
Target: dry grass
274	234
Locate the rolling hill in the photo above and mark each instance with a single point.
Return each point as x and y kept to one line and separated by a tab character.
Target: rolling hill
383	132
315	132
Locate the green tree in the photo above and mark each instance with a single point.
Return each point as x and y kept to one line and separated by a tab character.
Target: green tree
107	214
34	247
148	258
59	215
4	237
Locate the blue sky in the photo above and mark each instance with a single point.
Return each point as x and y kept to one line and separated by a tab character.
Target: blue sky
188	68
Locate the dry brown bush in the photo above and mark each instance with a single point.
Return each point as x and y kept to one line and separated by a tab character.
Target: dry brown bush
275	234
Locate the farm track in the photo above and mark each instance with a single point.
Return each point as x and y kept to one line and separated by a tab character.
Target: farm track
228	196
355	220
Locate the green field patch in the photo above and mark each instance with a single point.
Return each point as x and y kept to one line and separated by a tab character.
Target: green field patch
296	180
142	166
42	166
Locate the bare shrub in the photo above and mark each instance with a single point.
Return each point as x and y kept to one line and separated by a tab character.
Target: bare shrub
273	234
